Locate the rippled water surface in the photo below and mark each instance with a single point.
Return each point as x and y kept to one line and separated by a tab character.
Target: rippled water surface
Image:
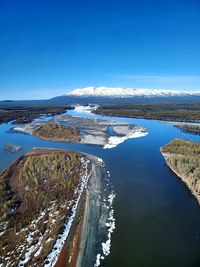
157	218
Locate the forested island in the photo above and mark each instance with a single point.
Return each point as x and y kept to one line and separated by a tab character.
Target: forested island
189	128
183	157
40	193
184	112
57	132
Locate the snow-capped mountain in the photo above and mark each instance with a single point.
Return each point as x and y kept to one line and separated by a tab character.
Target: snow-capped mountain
119	92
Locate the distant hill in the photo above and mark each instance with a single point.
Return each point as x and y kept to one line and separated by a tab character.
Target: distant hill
7	101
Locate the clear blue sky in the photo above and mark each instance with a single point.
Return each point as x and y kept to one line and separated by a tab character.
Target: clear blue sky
50	47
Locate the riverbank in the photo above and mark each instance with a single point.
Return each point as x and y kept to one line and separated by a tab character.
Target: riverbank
92	211
189	128
70	250
98	221
182	156
81	248
183	177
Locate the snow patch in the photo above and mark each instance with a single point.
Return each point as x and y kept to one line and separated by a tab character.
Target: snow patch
129	92
114	141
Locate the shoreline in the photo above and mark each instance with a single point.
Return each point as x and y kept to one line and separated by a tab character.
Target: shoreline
70	253
58	140
182	177
88	225
85	215
98	217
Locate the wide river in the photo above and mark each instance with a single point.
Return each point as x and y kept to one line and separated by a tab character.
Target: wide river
157	218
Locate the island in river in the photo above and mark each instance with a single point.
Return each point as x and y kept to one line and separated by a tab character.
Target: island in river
183	157
66	128
57	132
40	195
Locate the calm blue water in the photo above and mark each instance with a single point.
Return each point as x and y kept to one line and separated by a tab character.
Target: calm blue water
157	218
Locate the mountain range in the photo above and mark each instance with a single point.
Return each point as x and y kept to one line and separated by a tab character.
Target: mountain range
120	92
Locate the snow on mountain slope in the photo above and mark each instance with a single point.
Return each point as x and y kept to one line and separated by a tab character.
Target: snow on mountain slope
128	92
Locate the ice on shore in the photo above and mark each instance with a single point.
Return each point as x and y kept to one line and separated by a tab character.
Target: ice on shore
111	226
114	141
98	260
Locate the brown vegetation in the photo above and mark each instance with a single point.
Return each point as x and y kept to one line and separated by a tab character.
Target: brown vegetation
57	132
36	191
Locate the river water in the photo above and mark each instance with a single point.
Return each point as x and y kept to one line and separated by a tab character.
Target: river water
157	218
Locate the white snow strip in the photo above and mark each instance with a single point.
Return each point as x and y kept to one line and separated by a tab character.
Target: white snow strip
97	260
118	92
38	252
53	256
114	141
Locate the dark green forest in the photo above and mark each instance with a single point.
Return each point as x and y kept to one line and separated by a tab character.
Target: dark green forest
27	113
186	112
